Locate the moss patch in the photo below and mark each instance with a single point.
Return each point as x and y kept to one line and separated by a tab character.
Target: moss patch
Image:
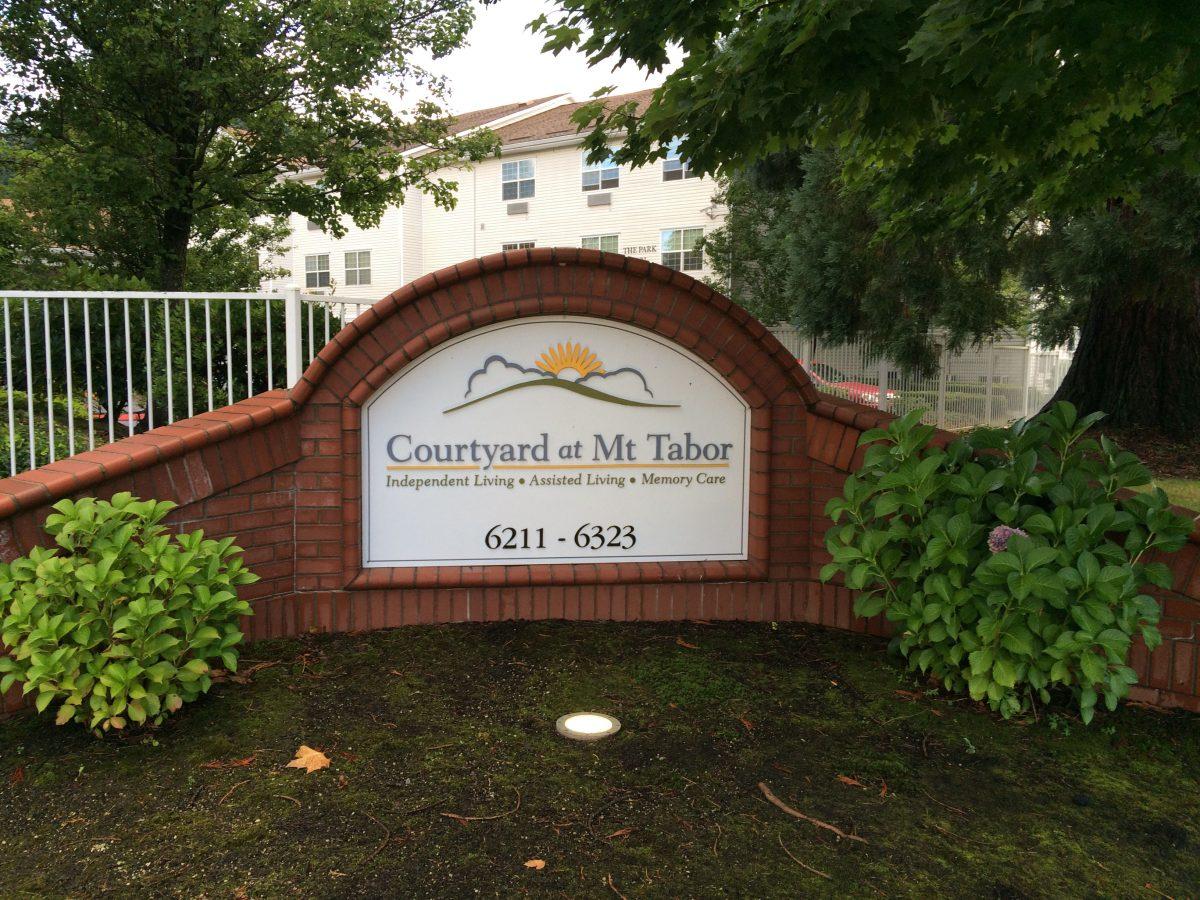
424	721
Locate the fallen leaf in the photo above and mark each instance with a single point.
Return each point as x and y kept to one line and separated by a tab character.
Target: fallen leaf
682	643
883	791
343	781
622	832
535	864
908	695
230	763
938	713
309	760
846	779
17	776
746	723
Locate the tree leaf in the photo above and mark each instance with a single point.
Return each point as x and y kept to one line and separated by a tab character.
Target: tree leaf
309	760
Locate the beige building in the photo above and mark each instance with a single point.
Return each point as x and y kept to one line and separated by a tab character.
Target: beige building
540	192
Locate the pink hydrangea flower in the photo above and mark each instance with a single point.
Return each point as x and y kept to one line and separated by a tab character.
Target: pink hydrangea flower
1000	535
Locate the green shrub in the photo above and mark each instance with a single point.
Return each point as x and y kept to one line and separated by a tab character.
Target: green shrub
119	621
1010	563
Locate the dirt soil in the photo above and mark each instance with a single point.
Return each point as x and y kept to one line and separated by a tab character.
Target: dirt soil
1166	457
447	777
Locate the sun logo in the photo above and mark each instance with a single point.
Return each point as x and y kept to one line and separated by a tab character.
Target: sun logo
572	357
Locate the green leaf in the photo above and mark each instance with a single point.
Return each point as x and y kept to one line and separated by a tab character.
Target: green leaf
1004	673
1094	668
868	605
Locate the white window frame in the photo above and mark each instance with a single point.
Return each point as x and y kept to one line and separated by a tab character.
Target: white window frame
518	179
358	268
679	260
675	167
604	175
516	245
598	241
313	270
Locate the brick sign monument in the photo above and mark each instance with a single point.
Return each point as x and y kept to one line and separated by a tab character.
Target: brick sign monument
552	433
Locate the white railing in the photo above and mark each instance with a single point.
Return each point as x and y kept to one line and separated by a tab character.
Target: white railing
993	384
84	368
322	316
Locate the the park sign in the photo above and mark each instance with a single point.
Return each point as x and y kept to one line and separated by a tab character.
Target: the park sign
556	439
676	463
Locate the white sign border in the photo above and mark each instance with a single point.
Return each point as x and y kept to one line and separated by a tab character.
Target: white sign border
365	456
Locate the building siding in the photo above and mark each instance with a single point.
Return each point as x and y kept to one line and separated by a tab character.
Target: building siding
559	216
385	243
420	237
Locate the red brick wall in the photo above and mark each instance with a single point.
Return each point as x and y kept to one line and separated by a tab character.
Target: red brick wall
281	472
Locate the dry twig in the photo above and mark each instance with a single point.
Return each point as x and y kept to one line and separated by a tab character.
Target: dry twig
387	836
465	819
229	792
802	864
940	803
766	791
613	887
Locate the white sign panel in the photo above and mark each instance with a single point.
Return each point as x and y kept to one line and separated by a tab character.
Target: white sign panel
555	440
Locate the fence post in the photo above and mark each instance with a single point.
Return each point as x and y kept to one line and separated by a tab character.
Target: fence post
1025	381
944	364
884	406
292	334
989	416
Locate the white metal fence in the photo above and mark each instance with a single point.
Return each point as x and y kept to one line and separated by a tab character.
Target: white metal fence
84	368
1003	380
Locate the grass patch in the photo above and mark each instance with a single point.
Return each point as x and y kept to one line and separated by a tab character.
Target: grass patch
1182	491
422	721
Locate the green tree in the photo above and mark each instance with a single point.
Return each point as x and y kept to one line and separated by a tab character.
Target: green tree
136	130
1065	118
800	246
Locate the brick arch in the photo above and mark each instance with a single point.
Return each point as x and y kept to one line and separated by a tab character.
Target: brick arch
281	471
553	281
403	327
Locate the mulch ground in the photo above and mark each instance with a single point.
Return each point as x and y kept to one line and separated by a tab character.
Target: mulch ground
447	779
1166	457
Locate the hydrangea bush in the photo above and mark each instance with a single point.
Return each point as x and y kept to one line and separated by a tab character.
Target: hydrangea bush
120	621
1012	563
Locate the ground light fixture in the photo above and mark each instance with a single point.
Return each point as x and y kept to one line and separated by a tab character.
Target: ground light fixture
586	726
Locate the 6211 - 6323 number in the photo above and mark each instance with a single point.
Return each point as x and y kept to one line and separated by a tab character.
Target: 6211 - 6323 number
587	537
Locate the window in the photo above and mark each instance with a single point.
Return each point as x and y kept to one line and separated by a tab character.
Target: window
605	242
312	226
518	245
516	179
600	176
681	249
358	267
675	168
316	270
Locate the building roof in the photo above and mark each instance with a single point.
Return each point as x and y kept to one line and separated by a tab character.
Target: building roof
479	117
556	121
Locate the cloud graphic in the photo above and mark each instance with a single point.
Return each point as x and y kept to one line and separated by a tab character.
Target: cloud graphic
497	373
626	383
